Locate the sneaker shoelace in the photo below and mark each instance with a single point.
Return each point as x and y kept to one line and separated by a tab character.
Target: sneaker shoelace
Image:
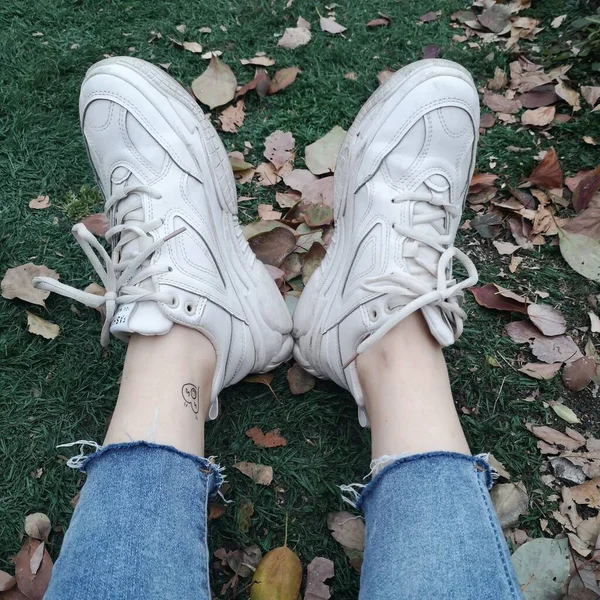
120	277
400	285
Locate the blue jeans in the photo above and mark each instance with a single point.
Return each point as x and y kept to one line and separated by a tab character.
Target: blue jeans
139	530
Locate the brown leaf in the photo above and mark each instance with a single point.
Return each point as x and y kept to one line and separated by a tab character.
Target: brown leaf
540	117
548	173
232	117
287	199
490	296
298	179
264	378
510	501
560	348
7	582
541	370
283	78
312	260
33	585
260	83
271	439
381	21
586	189
40	203
317	215
266	213
319	191
216	511
17	283
587	493
317	572
244	516
278	148
579	373
384	75
538	99
37	525
487	120
547	319
294	37
258	61
41	327
216	86
428	17
321	156
302	22
299	380
587	222
479	181
347	529
501	104
98	224
591	94
273	246
569	95
331	26
260	474
278	576
267	174
552	436
499	81
431	51
495	18
522	332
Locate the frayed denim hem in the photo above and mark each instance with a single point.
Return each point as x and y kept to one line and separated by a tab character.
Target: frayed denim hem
207	466
358	493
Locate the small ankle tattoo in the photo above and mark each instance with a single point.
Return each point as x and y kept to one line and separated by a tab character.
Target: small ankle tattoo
191	397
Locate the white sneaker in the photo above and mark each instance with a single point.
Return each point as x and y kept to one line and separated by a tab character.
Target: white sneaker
400	182
178	253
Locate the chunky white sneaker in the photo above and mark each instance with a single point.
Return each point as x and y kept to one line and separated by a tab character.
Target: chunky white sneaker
400	182
178	253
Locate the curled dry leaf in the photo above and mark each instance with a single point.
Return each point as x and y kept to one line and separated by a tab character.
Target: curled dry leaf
541	370
321	156
294	37
39	326
283	78
261	474
317	572
591	94
216	86
40	203
271	439
553	436
330	25
499	81
271	247
547	319
548	173
232	117
17	283
278	148
510	501
579	373
299	380
586	189
278	576
33	585
569	95
565	413
260	83
497	298
258	61
540	117
98	224
37	526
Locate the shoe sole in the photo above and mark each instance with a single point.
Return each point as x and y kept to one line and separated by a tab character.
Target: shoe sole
406	78
220	171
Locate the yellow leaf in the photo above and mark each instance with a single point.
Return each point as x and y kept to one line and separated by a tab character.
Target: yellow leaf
581	252
565	413
277	577
42	327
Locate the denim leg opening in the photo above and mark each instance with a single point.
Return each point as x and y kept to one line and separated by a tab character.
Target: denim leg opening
432	532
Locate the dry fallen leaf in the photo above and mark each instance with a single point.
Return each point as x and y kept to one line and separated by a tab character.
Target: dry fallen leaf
260	83
279	147
569	95
261	474
97	224
33	585
565	413
380	21
349	531
428	17
580	251
480	181
587	493
271	439
216	86
496	18
493	296
194	47
299	179
41	327
278	576
579	373
553	436
501	104
40	203
216	511
591	94
510	501
271	247
541	370
37	525
299	380
560	348
594	322
384	75
232	117
294	37
17	283
283	78
267	174
7	582
499	80
540	117
266	213
321	156
317	572
548	173
557	21
586	189
258	61
331	26
319	191
547	319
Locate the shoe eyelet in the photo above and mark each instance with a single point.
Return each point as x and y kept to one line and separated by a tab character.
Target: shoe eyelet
170	269
387	308
373	314
174	302
189	308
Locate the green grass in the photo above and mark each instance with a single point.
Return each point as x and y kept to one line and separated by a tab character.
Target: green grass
63	390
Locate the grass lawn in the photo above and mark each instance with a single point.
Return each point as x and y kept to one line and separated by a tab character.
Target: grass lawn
58	391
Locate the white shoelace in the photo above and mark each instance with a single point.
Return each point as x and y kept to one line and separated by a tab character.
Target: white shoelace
401	284
119	277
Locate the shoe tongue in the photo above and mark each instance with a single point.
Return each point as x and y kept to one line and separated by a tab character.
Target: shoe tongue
144	318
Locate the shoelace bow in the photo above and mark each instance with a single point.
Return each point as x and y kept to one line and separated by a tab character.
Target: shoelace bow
399	285
120	278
